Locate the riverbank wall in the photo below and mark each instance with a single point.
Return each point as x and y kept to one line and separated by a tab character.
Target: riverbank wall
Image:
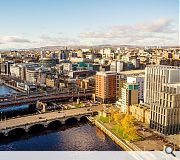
13	87
125	145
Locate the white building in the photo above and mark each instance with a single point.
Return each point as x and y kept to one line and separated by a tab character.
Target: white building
107	53
117	66
15	70
155	77
140	81
32	75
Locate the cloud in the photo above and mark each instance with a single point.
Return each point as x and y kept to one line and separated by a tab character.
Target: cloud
161	30
58	40
13	39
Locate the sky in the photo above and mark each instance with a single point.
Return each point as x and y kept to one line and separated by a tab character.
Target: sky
37	23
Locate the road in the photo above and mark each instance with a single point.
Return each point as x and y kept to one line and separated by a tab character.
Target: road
11	123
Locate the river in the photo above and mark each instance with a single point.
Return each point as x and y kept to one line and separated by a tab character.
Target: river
80	137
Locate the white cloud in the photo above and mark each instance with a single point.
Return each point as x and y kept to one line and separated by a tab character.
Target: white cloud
13	39
160	32
58	40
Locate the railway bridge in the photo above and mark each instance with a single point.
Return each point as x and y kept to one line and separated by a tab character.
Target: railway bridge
44	98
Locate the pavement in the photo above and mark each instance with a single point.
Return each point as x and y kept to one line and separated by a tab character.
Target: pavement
175	139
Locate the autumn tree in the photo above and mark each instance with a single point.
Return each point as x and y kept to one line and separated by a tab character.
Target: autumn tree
128	123
117	117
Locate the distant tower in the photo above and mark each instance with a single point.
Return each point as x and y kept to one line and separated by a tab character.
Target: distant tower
43	54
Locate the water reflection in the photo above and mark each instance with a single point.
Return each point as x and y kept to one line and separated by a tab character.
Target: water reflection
82	137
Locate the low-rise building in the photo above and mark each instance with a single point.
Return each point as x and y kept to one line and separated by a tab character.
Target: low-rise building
140	112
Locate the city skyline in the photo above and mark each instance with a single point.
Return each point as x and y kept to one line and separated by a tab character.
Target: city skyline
28	24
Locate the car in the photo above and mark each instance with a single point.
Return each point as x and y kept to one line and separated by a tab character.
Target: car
41	117
89	109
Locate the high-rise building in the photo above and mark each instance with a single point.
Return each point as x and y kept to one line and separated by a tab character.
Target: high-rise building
165	115
162	93
129	96
140	81
106	86
155	77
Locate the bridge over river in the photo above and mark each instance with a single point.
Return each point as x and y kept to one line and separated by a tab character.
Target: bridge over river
44	98
44	119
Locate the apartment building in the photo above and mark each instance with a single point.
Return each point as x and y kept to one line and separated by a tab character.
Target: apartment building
106	86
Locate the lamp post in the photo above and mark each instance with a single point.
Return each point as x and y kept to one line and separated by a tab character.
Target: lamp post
143	131
1	116
174	142
5	120
62	110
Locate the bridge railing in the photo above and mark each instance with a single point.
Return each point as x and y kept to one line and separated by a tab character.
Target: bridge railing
45	120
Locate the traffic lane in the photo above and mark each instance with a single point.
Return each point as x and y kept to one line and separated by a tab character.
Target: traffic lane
45	116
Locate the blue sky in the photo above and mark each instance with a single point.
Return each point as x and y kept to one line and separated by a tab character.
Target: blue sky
35	23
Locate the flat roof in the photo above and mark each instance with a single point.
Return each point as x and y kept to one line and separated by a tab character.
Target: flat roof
106	73
132	72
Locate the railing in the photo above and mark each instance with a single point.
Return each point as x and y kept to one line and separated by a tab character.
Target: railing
46	119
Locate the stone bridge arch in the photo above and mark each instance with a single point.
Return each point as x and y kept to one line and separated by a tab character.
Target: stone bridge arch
54	124
14	132
36	127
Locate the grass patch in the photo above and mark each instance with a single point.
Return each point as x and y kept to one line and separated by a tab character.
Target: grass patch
104	119
121	133
79	105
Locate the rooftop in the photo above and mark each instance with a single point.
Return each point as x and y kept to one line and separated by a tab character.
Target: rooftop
132	72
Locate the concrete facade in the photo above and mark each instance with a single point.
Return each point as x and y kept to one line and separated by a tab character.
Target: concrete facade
155	76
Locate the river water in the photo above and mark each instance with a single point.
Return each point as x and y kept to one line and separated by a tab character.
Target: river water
80	137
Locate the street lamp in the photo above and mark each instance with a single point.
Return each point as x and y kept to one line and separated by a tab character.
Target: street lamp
5	120
1	116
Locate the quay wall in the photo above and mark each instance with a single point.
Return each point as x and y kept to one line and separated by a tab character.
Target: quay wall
125	145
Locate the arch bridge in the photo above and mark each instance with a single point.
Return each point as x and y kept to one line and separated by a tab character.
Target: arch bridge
43	120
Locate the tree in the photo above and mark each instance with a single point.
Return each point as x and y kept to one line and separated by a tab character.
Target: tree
128	122
117	117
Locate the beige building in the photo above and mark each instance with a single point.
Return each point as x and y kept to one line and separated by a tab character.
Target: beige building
165	115
155	76
106	87
32	75
140	112
50	82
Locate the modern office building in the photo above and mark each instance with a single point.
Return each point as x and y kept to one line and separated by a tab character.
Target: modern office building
162	94
165	115
106	86
129	96
122	78
140	81
32	75
155	77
